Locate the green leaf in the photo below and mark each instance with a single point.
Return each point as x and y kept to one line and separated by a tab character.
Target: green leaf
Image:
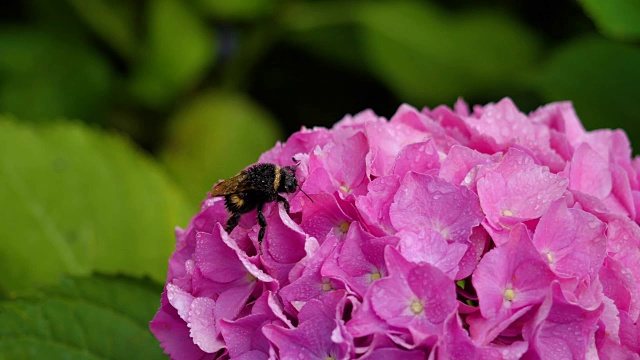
600	77
615	18
43	75
93	318
237	9
112	20
179	50
74	201
428	55
214	137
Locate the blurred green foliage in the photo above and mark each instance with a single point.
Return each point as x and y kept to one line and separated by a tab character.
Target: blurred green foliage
43	76
602	97
616	18
165	97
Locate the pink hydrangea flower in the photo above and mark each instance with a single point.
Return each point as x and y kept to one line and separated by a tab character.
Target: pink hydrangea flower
481	233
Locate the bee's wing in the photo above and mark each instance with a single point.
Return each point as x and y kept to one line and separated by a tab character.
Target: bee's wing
230	186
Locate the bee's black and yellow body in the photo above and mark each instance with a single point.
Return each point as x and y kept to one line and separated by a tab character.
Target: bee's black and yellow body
254	187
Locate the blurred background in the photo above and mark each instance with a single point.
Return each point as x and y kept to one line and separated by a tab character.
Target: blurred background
117	116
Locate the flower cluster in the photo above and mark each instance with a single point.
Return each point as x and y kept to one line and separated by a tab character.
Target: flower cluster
459	233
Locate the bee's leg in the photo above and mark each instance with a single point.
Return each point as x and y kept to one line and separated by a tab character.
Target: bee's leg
284	202
232	222
262	222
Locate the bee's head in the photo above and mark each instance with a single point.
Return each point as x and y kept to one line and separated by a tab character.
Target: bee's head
288	181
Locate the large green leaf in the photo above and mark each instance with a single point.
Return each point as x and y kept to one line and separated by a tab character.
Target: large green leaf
214	137
616	18
44	75
93	318
426	54
73	200
600	77
179	50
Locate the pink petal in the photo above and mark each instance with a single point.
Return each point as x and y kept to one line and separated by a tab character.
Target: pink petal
572	240
590	173
374	206
561	329
421	201
428	246
518	188
420	157
203	327
511	277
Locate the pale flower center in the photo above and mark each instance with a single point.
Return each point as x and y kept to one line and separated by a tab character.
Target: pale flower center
375	276
507	212
326	285
344	227
343	187
417	307
509	294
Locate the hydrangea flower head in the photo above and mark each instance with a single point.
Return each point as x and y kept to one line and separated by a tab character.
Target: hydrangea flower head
447	233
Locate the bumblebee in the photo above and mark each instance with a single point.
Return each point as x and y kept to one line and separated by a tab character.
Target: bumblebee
254	187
